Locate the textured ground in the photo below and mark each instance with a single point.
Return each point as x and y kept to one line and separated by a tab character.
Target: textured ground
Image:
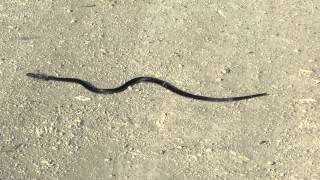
219	48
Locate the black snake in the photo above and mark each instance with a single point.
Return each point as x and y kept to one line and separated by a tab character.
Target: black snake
137	80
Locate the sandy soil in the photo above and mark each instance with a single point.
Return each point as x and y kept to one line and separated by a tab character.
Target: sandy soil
51	130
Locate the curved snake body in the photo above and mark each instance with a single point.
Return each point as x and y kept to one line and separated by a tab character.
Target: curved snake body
137	80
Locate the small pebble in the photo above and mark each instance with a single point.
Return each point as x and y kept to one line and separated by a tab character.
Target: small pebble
209	150
226	71
271	163
219	79
282	174
179	147
297	50
47	162
107	159
243	158
263	142
82	98
73	21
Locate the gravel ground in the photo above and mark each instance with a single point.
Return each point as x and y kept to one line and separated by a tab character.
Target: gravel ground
52	130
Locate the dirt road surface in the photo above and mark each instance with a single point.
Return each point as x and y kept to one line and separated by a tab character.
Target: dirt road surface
52	130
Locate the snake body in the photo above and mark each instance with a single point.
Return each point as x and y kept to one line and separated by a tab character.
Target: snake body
89	86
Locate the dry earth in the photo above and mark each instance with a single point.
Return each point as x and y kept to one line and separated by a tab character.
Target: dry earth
51	130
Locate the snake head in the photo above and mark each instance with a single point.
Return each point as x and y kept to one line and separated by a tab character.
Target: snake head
38	76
